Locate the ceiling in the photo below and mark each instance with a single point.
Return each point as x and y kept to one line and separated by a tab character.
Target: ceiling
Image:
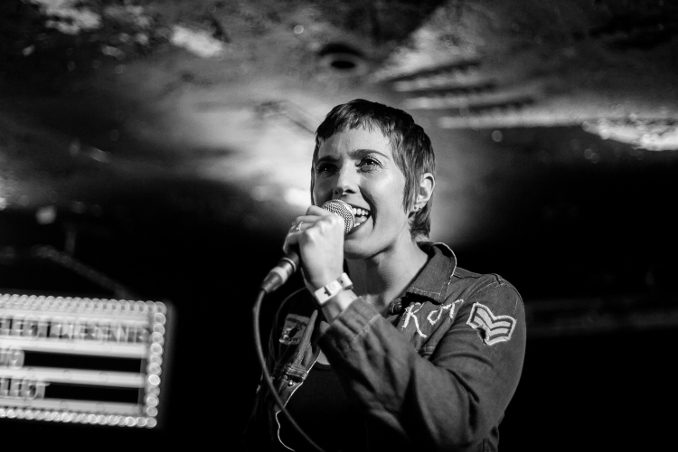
555	124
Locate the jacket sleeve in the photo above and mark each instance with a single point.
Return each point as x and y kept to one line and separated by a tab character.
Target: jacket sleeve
449	400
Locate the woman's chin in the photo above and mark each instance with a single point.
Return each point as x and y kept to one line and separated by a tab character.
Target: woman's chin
354	248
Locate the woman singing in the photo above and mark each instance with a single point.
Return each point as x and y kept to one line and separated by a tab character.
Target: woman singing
390	346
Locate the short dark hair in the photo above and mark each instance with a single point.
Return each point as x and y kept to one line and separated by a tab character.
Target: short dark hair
411	147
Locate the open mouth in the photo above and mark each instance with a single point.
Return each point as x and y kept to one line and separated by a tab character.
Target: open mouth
361	215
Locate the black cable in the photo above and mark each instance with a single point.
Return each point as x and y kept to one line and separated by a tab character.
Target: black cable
266	374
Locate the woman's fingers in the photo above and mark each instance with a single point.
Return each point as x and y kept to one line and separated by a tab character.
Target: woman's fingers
299	225
319	238
303	222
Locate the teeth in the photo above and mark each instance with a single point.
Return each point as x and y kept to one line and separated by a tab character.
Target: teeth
357	211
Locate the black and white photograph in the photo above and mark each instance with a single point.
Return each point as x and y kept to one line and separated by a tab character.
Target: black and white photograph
340	226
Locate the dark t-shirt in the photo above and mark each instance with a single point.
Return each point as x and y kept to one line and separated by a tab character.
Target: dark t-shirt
324	412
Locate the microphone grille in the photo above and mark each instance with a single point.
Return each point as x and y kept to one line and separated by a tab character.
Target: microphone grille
342	209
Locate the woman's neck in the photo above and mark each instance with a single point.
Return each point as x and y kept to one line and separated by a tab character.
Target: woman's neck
383	278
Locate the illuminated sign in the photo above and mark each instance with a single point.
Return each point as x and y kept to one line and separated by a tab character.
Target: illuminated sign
82	360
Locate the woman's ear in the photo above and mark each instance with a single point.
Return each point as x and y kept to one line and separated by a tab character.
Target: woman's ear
427	183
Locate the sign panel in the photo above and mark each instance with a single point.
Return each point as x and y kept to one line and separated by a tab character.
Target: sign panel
82	360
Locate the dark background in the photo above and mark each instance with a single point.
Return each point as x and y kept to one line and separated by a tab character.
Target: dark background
596	278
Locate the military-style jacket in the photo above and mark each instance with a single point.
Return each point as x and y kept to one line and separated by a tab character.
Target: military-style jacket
435	373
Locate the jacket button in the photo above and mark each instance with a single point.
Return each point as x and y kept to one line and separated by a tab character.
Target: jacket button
396	307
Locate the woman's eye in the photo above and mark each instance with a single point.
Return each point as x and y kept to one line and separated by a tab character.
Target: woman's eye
325	168
369	163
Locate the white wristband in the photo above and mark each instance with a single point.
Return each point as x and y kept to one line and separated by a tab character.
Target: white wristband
340	284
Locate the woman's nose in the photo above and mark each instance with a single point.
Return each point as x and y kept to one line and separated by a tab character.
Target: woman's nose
346	182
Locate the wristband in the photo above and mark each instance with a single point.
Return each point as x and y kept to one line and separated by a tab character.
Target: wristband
340	284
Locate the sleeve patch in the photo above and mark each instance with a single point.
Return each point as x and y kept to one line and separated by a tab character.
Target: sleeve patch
492	328
293	329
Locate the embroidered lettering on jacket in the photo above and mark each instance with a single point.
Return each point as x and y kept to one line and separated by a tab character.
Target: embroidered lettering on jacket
409	314
293	329
436	314
433	317
492	328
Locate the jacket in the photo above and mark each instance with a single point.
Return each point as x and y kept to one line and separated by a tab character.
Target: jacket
435	373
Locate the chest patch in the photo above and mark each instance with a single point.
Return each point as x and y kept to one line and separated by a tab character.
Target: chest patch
293	329
412	314
492	328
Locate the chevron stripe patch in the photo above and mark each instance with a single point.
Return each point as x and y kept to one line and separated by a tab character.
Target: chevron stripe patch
492	328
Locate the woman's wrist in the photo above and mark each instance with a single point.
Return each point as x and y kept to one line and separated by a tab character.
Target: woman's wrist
337	304
325	293
335	296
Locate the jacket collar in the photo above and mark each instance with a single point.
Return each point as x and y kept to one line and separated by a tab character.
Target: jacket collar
435	277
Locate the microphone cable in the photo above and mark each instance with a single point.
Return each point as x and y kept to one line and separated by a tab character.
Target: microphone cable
275	278
267	376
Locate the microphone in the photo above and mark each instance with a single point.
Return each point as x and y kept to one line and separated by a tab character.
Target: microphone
290	262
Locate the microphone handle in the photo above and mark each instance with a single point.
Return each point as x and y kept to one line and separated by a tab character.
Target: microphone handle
279	275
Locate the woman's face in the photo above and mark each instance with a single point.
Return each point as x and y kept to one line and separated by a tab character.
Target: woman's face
357	166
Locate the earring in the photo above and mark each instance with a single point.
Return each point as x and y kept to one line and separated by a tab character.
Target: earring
416	208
